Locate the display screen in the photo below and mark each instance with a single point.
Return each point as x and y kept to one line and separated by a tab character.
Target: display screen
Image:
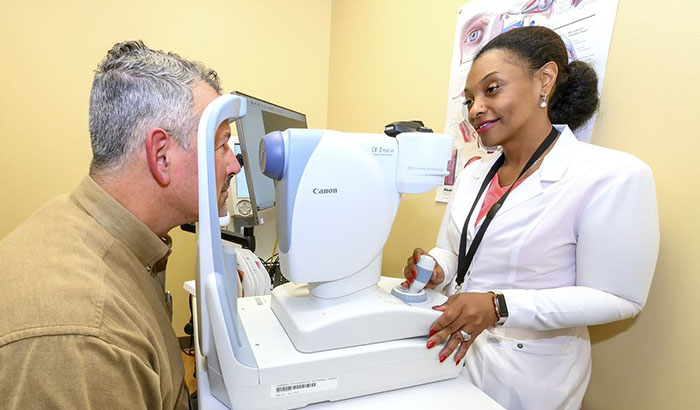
261	118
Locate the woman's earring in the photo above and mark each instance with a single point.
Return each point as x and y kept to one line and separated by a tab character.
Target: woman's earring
543	104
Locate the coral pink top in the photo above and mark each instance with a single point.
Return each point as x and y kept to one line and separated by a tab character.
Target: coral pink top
494	192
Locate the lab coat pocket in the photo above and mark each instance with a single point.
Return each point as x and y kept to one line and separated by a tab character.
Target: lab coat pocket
529	374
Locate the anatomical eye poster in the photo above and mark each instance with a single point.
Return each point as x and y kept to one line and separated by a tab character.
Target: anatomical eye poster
585	26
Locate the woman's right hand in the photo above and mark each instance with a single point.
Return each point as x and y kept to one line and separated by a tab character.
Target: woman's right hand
410	271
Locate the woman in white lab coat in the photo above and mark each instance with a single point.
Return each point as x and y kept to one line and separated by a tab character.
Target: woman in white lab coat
573	244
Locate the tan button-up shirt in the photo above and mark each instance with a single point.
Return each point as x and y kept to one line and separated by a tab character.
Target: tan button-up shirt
84	324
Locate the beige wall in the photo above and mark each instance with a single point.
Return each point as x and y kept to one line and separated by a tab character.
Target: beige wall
390	61
650	108
275	49
361	64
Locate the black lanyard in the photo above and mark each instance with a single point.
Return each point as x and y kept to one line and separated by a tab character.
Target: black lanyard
464	261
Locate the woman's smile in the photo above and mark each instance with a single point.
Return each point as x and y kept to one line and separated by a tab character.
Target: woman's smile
484	126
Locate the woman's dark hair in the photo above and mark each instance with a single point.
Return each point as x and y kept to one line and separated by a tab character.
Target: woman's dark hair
574	98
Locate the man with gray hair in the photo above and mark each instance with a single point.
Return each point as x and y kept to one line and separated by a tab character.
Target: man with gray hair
85	320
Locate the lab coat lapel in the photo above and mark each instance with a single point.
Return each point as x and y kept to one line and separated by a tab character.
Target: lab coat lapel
553	167
477	178
528	189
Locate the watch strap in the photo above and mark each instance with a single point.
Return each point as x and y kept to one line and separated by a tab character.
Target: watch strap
499	304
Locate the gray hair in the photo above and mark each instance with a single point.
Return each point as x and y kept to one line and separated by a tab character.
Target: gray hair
136	88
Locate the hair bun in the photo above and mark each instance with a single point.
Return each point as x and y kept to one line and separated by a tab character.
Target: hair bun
575	99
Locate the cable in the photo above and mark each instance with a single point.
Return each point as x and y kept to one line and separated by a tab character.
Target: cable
274	249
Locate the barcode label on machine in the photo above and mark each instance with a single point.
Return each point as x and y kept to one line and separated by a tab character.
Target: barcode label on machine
303	387
282	389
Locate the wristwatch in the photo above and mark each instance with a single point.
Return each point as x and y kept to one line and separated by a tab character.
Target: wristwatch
499	303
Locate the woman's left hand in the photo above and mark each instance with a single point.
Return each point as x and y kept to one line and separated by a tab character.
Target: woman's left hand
469	313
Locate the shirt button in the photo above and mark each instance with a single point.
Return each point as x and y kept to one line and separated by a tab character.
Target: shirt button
520	345
148	268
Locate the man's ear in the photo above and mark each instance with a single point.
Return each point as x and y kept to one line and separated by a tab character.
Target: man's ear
157	155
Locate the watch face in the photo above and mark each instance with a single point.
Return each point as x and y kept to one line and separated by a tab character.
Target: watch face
502	307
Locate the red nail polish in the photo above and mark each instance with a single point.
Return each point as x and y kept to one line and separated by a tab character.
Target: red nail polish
432	332
414	273
410	280
415	259
457	362
431	344
442	358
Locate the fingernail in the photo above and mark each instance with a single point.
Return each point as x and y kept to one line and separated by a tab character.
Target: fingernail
431	344
415	259
414	273
432	332
410	280
457	362
442	358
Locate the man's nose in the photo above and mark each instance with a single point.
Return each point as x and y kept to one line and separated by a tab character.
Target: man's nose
233	163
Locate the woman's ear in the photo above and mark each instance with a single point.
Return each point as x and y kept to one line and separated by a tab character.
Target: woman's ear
547	76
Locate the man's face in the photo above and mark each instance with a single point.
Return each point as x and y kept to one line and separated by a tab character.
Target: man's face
226	164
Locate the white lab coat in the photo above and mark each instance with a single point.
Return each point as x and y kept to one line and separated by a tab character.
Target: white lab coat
575	244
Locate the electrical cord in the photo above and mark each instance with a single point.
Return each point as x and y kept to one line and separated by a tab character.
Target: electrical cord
272	264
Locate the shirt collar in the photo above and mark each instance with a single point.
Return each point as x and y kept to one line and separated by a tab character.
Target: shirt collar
121	224
557	160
